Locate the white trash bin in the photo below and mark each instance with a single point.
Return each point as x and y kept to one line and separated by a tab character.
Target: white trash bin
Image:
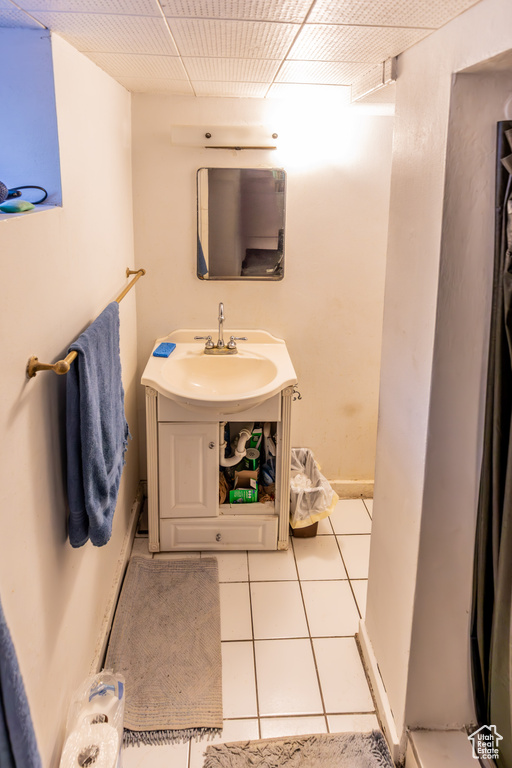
311	496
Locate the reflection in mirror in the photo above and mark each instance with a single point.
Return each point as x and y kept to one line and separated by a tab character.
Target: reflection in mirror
240	223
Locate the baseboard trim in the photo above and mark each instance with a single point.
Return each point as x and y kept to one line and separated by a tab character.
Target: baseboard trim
384	712
108	618
352	489
428	749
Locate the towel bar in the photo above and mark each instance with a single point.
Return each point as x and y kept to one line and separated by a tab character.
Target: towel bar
62	366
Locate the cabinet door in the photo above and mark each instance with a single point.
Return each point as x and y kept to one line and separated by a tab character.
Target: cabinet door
188	465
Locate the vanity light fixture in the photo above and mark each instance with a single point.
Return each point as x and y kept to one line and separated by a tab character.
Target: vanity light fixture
224	137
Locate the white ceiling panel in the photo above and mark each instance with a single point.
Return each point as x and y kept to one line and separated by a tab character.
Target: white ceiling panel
319	42
231	70
238	48
111	34
399	13
320	72
110	7
152	85
230	90
11	17
232	39
139	65
256	10
308	93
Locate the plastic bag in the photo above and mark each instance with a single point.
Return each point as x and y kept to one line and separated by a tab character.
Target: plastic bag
311	496
94	727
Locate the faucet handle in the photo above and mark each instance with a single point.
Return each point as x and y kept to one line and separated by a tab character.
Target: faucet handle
233	339
209	343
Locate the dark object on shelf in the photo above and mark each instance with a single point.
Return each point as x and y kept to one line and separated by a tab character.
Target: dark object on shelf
9	194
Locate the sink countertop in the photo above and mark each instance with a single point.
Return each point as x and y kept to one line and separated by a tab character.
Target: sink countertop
229	383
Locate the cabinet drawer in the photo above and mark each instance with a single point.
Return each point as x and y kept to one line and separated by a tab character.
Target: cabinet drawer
222	533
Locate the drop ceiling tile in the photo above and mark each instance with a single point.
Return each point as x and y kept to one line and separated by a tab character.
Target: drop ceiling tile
320	72
232	39
256	10
111	7
323	42
231	70
230	90
338	93
111	34
138	65
151	85
399	13
14	18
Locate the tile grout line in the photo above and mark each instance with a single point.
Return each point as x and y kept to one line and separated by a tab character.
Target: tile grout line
346	571
248	718
360	614
253	647
311	640
367	510
292	637
348	575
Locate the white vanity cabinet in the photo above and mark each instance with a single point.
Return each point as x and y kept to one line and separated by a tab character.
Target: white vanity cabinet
183	479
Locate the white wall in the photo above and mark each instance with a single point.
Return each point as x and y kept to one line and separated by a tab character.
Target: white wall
328	307
440	640
436	316
59	269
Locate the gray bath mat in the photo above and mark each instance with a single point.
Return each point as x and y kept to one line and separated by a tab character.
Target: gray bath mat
336	750
166	642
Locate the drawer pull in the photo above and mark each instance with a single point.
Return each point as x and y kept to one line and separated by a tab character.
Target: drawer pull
211	445
218	537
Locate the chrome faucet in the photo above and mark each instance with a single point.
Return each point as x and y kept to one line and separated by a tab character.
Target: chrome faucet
221	348
220	342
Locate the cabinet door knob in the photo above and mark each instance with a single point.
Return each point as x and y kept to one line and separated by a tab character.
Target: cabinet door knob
217	538
211	445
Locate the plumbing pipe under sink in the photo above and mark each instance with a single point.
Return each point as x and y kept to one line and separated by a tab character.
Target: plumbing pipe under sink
243	436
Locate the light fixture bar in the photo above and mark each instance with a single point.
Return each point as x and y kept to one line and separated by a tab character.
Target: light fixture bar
224	137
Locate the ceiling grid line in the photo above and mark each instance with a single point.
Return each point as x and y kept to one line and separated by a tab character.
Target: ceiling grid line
175	45
291	46
238	48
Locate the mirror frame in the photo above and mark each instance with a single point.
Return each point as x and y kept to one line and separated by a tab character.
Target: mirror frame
202	221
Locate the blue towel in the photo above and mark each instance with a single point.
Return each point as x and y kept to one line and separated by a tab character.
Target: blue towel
96	430
18	746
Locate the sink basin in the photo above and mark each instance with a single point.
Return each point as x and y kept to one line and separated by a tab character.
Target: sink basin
220	376
221	383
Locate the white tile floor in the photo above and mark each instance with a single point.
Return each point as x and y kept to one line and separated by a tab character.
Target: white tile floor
288	619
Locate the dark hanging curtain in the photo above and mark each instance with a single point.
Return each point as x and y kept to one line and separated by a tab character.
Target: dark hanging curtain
492	581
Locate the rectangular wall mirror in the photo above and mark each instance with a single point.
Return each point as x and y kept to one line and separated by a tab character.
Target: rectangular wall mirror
240	223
